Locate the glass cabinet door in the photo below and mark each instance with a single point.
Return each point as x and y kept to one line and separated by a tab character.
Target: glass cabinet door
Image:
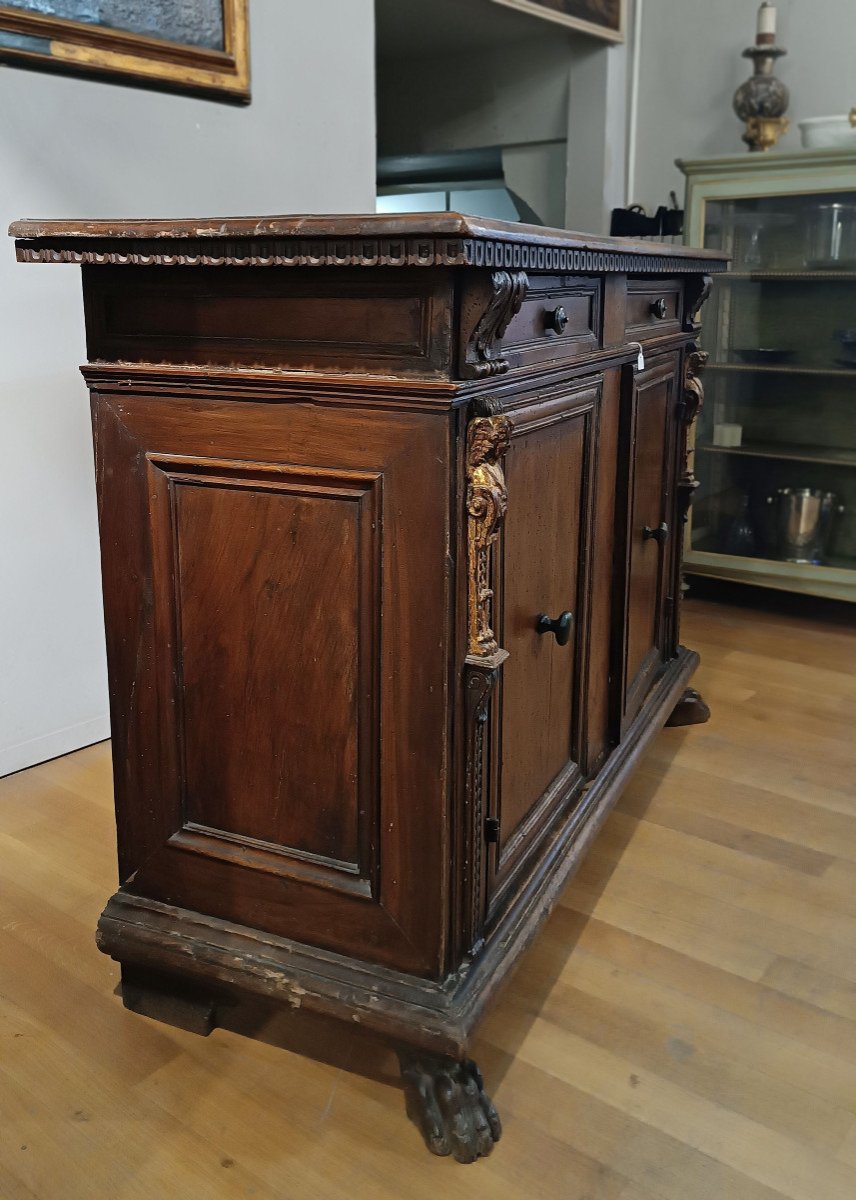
775	446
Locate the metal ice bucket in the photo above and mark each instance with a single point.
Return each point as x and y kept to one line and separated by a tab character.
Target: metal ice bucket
804	519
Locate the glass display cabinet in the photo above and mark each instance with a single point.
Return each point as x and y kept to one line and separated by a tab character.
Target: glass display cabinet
775	446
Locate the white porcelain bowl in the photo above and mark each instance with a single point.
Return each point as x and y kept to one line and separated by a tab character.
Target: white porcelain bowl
827	133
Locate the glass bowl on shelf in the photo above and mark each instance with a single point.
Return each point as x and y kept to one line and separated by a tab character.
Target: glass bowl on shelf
830	237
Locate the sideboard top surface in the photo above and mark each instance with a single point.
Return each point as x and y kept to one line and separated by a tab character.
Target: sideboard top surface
411	239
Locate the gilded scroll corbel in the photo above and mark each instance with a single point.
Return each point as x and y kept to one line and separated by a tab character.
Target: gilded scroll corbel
697	293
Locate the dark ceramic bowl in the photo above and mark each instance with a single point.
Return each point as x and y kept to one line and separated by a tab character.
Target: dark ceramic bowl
763	356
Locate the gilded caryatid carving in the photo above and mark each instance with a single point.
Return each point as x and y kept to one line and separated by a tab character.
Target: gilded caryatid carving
487	442
692	402
693	386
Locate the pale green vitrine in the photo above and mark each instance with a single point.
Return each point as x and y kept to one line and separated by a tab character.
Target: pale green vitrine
775	446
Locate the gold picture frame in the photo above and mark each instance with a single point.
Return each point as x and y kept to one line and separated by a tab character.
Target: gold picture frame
601	18
34	39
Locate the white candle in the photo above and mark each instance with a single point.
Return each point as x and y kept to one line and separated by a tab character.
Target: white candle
767	20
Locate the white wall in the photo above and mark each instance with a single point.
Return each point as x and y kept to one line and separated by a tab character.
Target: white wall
691	65
70	147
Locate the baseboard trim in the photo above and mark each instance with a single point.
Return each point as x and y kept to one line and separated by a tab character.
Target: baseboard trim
51	745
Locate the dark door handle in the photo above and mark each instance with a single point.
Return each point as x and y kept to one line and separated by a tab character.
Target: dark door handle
659	308
561	627
556	319
660	534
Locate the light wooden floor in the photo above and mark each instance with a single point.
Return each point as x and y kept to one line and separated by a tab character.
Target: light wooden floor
685	1029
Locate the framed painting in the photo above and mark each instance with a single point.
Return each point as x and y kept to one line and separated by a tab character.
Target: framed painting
195	45
602	18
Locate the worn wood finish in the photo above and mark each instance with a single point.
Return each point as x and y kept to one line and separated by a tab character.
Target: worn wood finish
386	632
408	239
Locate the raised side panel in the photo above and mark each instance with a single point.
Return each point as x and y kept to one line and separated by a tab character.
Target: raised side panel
278	631
270	563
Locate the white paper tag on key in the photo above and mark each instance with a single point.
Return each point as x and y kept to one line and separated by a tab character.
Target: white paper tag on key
640	358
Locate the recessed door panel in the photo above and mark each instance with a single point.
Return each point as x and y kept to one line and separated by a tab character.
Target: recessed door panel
650	468
544	572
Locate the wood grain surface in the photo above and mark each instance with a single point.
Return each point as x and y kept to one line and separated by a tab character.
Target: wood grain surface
683	1029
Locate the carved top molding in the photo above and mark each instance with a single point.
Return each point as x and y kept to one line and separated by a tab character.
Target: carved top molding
443	239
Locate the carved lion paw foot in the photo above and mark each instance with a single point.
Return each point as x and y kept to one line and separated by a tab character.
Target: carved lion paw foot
447	1100
690	710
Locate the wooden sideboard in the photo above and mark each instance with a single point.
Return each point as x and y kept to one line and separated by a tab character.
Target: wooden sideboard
390	521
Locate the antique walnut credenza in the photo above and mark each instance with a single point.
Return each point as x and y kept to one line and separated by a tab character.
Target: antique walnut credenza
390	517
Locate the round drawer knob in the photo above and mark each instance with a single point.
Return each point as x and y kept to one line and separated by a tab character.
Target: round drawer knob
660	534
659	308
556	320
560	628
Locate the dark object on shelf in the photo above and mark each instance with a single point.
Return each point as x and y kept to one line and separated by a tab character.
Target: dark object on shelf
634	222
847	337
740	538
763	355
804	518
377	466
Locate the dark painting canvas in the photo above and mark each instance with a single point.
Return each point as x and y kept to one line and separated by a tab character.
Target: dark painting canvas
187	22
599	12
197	45
603	17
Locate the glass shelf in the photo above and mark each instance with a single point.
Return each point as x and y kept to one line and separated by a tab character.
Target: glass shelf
786	450
791	292
795	276
833	580
787	369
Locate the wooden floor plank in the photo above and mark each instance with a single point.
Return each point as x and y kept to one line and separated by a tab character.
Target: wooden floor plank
684	1029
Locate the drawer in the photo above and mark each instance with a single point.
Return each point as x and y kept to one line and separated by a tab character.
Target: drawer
343	320
654	308
560	318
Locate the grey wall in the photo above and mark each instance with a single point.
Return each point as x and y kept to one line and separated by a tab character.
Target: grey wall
71	147
492	95
691	65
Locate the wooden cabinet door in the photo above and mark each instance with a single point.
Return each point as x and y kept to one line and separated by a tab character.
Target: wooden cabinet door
277	626
649	417
543	571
